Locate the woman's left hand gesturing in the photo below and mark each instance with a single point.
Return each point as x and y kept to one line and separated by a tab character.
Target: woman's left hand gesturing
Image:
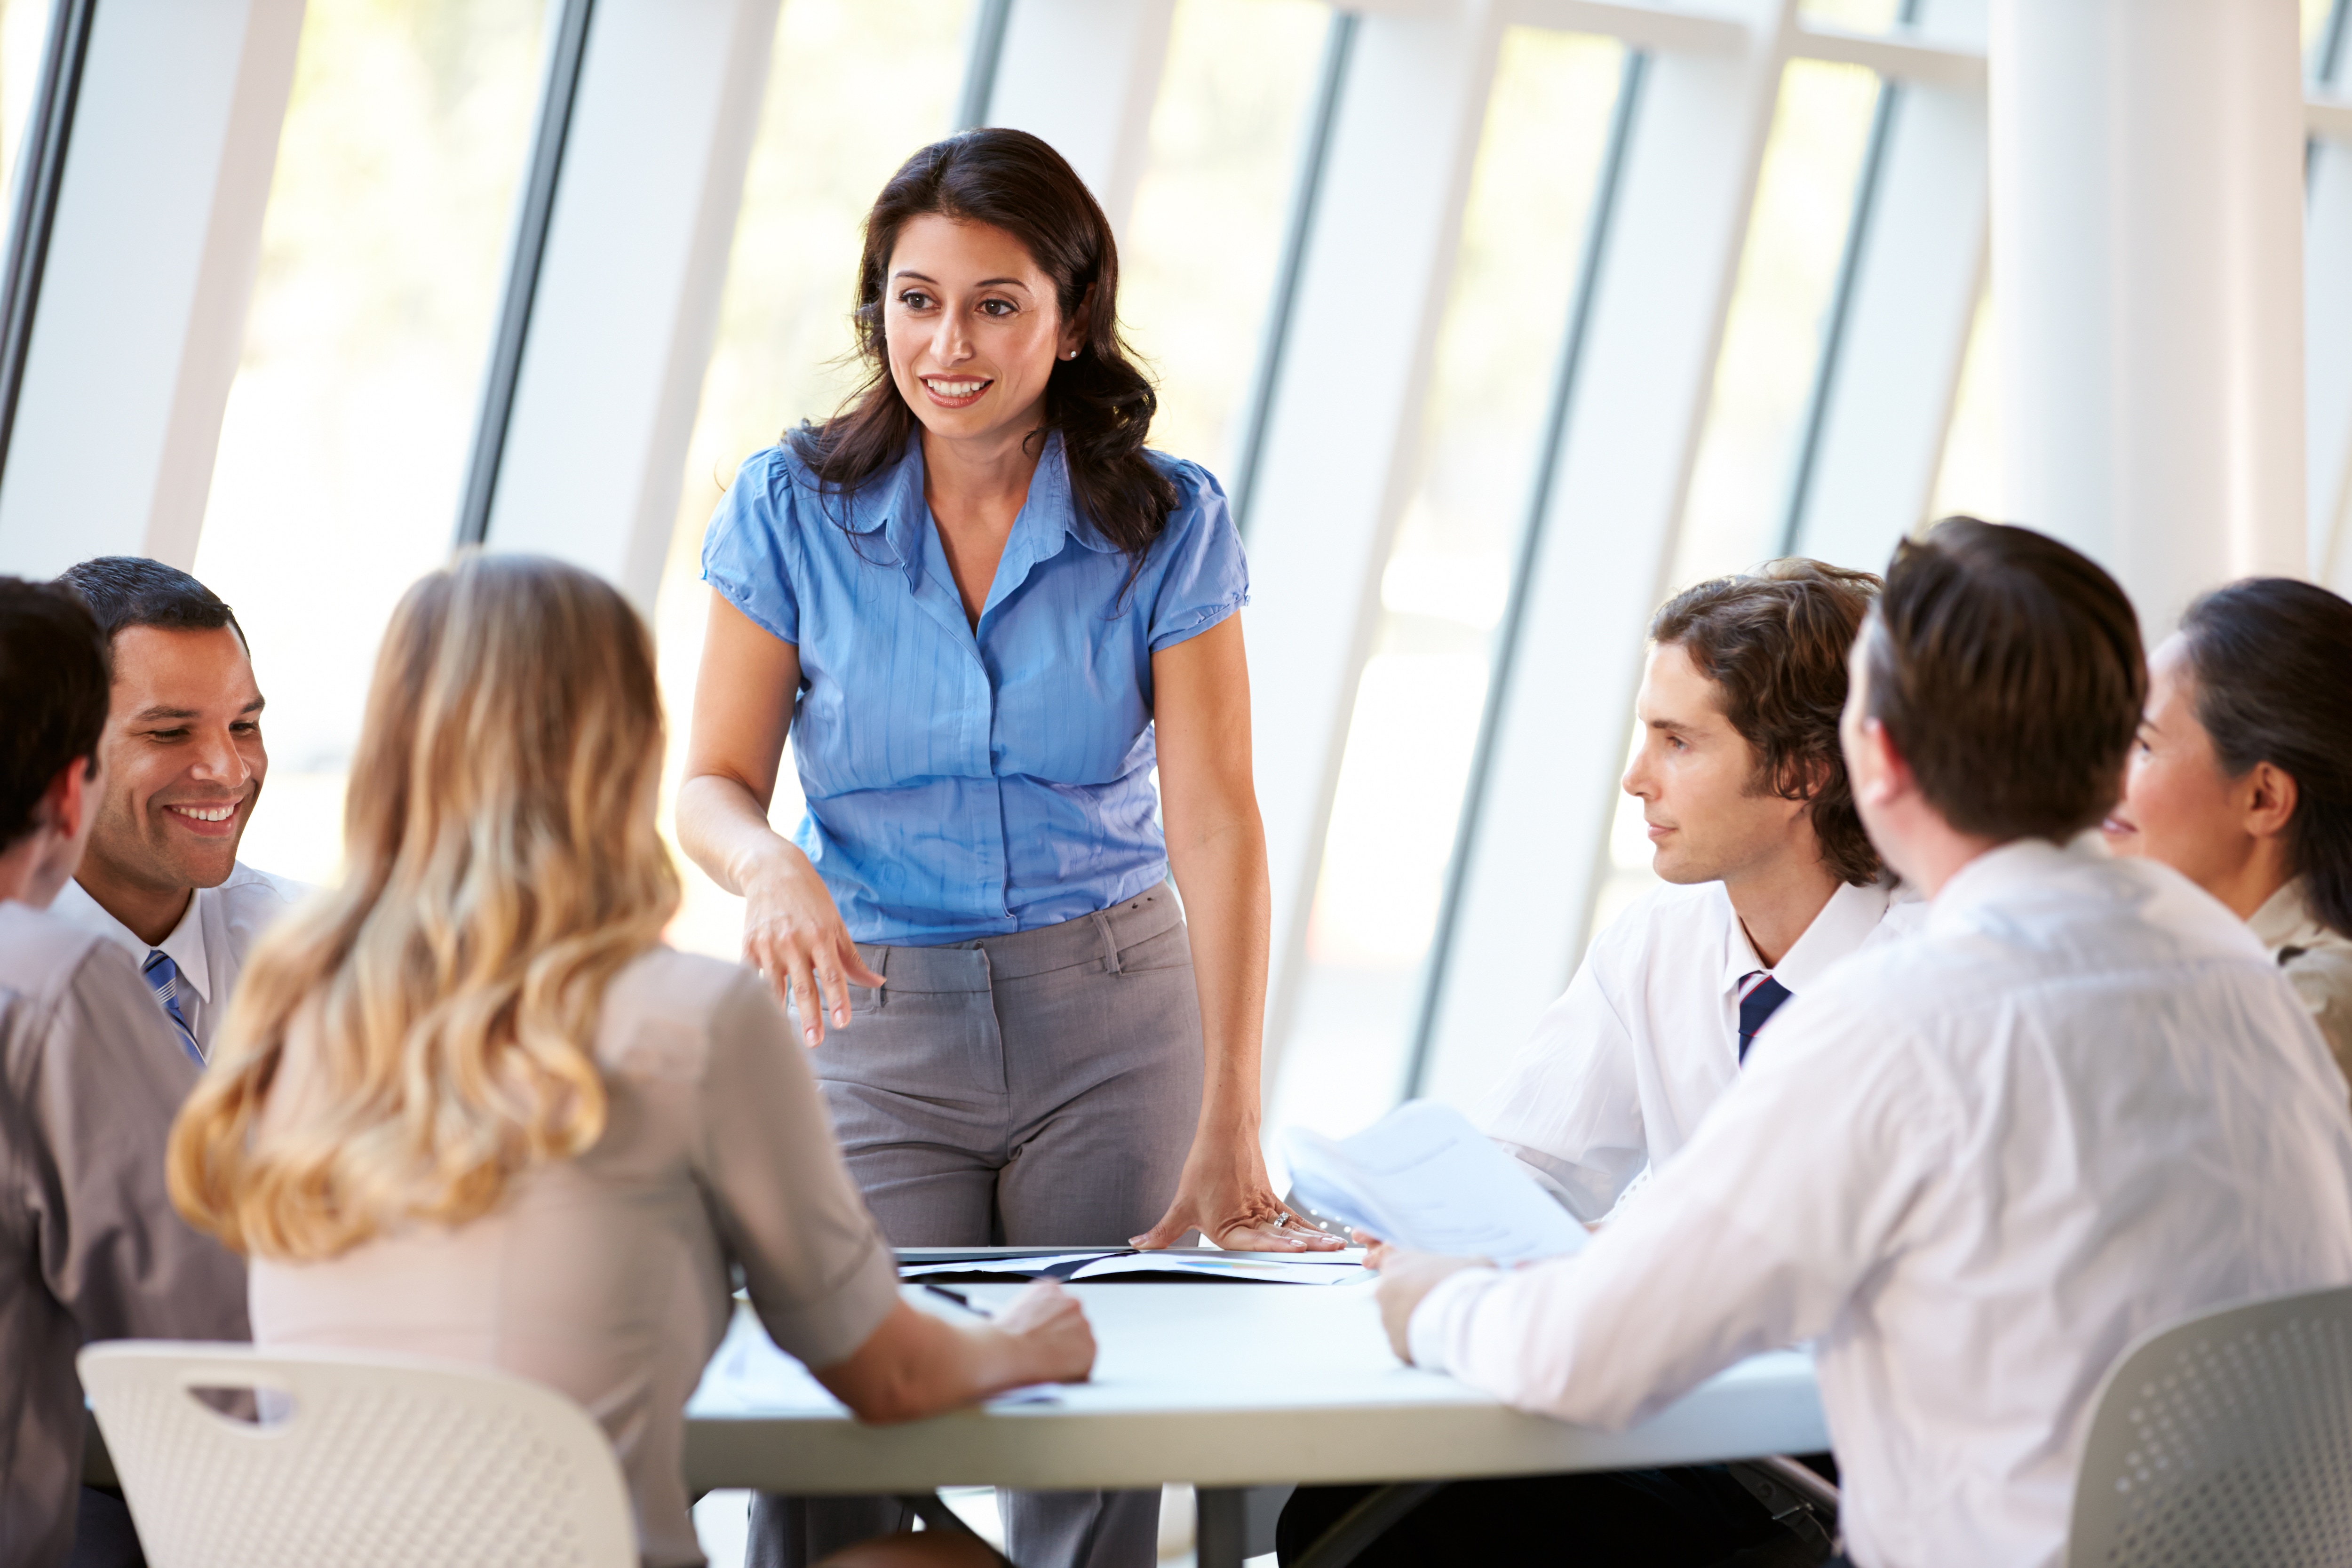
1224	1195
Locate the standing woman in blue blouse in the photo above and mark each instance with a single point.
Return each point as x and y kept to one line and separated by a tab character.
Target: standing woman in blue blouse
985	612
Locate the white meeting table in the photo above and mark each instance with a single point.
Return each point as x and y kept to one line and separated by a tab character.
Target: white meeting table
1223	1385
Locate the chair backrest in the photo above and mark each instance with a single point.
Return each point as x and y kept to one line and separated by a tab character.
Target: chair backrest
372	1461
2227	1438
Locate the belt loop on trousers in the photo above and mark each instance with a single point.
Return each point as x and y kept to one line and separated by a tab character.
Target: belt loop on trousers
1110	942
881	966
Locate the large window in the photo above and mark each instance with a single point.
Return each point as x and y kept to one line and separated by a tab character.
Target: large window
1197	262
1448	577
853	87
1740	488
350	422
24	35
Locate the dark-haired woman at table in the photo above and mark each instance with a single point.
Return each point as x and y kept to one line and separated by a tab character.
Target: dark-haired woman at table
2242	779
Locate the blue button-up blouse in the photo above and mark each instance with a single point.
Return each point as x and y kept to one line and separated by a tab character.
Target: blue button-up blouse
964	783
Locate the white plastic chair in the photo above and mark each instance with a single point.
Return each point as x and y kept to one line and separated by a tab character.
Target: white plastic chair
2224	1439
364	1461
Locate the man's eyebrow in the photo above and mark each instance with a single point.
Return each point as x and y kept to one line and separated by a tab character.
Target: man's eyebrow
255	706
146	714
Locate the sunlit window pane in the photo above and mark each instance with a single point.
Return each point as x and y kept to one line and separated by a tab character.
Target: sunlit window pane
1861	15
1738	510
1197	262
23	34
1969	480
1415	725
2314	18
351	417
853	87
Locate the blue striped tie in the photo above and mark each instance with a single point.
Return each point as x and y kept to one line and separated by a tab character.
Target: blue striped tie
163	977
1760	996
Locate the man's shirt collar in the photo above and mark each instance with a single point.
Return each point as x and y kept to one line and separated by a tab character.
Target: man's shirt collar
1841	926
185	945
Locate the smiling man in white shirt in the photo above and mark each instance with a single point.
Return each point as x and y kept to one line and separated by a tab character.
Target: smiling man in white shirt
1769	880
2078	1105
184	764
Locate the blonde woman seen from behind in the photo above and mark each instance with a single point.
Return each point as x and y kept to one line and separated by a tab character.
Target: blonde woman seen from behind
472	1108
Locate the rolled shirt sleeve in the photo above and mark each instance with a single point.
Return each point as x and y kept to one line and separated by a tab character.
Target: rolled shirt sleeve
1206	576
747	554
822	1277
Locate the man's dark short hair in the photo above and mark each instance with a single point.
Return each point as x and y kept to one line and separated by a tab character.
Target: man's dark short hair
132	591
54	674
2008	671
1776	641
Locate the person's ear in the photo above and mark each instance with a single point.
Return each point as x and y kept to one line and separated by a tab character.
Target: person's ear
1076	331
1880	775
2270	800
71	796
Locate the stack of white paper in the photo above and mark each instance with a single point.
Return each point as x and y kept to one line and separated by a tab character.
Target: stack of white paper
1424	1177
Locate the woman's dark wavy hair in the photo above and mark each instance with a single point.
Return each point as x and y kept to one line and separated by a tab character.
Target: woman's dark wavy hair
2272	659
1101	402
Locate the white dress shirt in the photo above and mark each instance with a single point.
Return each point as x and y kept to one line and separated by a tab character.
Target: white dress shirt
2081	1104
210	942
1621	1069
2317	961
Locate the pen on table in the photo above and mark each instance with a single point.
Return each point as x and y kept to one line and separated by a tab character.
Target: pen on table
959	1298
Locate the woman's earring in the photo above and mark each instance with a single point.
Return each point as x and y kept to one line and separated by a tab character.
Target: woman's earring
1072	354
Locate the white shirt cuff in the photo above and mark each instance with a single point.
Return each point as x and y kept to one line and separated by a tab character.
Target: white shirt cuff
1432	1332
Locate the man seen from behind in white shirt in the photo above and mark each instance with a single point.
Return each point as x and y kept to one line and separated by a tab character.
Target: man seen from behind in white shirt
1769	880
2078	1105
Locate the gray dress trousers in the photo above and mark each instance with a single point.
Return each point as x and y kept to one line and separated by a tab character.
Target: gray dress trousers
1035	1090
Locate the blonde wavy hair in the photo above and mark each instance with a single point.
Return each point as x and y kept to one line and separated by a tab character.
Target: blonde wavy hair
501	867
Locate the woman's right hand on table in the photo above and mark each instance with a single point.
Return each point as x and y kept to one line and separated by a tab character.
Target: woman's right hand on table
1055	1344
793	935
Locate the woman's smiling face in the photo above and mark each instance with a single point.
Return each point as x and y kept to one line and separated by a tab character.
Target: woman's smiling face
972	327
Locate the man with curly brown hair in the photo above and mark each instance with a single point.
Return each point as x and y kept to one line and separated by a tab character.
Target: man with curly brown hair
1769	879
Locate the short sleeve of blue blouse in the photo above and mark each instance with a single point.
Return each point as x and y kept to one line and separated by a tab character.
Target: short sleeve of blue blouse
1205	576
748	554
962	780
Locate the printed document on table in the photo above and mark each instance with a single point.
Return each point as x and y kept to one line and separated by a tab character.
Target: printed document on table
1422	1176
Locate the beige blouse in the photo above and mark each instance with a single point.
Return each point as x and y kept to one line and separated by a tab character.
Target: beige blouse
2317	959
606	1277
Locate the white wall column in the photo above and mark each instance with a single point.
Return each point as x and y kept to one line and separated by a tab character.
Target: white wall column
141	311
2148	256
1344	422
628	288
1669	253
1085	75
